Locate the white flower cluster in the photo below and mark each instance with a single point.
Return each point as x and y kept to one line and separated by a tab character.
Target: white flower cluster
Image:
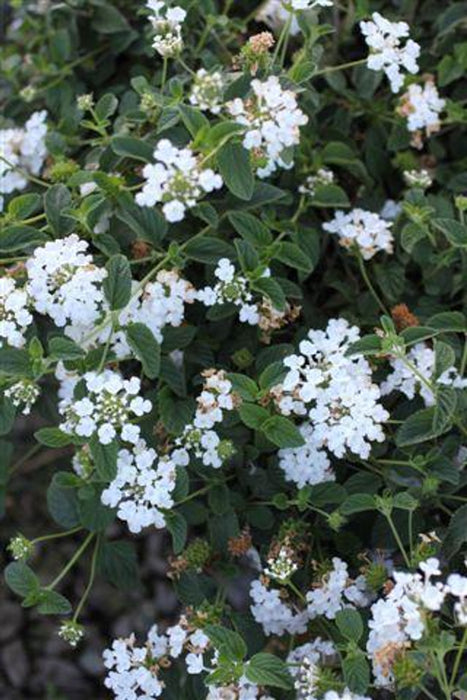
142	489
158	304
272	120
304	666
403	378
199	437
322	177
422	107
334	392
418	178
366	230
23	394
275	614
65	284
308	464
282	566
167	24
177	179
401	617
231	288
387	53
14	314
297	5
133	670
23	149
108	408
275	14
207	90
336	591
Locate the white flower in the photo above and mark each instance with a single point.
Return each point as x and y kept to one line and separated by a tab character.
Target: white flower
23	148
336	395
336	591
142	489
24	394
65	284
308	464
275	615
275	15
207	89
167	24
422	106
387	52
418	178
15	316
107	409
399	618
272	120
364	229
404	379
323	177
177	180
130	675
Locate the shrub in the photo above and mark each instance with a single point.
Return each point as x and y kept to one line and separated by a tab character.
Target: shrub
232	306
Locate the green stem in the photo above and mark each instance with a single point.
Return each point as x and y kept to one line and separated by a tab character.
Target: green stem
164	73
458	659
31	178
284	33
76	556
92	576
398	539
342	66
369	284
57	535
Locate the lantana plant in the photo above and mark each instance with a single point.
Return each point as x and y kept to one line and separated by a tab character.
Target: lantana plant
233	309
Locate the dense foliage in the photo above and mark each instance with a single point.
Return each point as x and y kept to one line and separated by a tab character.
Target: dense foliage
233	305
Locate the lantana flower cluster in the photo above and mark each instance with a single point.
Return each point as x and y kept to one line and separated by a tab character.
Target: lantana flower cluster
177	179
272	121
22	153
364	230
167	25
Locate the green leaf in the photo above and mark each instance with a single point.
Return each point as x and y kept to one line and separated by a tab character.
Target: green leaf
177	526
148	224
350	624
290	254
417	428
357	503
455	232
448	322
62	502
173	376
356	672
235	168
53	603
52	437
13	238
208	249
94	516
368	345
244	386
272	289
267	669
272	375
104	458
456	533
108	20
21	579
15	362
117	284
7	415
250	228
253	416
106	106
57	200
445	408
63	348
118	564
193	119
23	206
327	196
230	644
146	348
282	432
130	147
